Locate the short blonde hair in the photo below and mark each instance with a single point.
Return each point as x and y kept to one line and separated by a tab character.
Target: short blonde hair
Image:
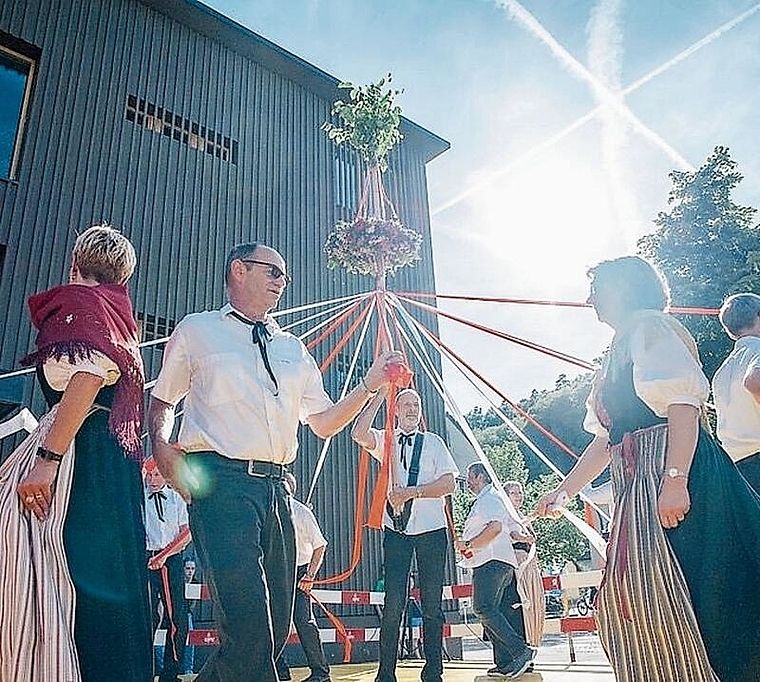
104	254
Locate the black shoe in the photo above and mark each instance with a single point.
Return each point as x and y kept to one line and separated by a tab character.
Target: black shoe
496	671
318	677
521	664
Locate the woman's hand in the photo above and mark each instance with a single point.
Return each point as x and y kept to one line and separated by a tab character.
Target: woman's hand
674	502
550	503
36	490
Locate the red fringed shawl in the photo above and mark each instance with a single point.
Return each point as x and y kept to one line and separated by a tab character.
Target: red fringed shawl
74	320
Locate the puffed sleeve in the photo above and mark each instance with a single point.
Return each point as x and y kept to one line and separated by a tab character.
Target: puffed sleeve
58	373
591	421
664	371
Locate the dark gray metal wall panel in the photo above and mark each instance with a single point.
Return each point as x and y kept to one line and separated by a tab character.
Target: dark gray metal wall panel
83	161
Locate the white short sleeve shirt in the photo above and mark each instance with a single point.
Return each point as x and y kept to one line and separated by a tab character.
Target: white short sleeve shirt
160	533
308	535
489	506
738	411
231	405
427	513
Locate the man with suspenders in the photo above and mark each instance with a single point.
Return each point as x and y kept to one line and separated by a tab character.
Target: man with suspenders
422	473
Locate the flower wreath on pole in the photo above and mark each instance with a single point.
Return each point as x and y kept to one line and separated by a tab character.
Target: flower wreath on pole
375	242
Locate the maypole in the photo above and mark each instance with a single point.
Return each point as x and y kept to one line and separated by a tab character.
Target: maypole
375	242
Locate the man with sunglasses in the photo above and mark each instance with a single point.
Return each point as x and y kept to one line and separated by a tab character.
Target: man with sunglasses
246	384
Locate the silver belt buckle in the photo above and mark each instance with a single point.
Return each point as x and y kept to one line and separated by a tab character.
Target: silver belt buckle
251	472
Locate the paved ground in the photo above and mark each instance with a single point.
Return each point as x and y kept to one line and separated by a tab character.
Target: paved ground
552	664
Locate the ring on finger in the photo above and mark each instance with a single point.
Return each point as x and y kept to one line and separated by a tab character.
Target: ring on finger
29	499
39	496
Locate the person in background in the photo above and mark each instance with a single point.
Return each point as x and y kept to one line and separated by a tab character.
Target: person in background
530	586
190	570
310	550
486	546
736	386
414	523
167	534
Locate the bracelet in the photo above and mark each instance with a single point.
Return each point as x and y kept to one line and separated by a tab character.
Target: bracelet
418	492
371	393
309	577
49	455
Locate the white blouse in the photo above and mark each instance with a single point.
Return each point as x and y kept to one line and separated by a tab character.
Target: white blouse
664	372
58	373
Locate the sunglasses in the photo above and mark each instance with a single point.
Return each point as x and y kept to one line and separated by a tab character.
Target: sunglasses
274	271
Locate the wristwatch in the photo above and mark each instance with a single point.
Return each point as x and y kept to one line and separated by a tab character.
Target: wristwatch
468	544
674	472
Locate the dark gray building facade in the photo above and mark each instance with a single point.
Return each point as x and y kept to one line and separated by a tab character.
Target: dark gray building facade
191	134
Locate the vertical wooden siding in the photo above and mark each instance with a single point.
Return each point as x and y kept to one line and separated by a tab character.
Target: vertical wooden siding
183	209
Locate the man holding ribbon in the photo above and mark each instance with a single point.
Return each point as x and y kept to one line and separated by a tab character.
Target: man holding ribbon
167	534
246	384
422	473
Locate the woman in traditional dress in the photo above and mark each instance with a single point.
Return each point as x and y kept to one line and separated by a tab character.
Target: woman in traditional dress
72	564
530	587
680	599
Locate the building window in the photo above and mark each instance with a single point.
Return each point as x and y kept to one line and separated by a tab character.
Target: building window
153	327
16	75
193	134
346	188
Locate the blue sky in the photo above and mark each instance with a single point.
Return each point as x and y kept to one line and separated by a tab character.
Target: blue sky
486	76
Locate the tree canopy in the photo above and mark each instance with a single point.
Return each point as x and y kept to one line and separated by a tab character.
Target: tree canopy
707	247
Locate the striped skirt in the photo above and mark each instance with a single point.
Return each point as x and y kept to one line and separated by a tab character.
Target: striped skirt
37	593
646	619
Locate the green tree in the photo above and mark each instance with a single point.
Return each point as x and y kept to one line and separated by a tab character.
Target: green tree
707	247
561	411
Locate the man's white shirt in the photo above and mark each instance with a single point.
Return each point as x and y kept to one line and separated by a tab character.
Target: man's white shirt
738	412
489	506
308	534
427	513
231	405
158	534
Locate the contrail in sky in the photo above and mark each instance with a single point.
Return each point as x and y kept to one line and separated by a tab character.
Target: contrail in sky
611	99
556	137
605	58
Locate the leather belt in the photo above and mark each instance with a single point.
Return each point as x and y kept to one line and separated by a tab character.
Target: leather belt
266	469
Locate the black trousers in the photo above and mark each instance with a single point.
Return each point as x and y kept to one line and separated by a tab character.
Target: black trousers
430	549
168	585
493	597
243	531
308	633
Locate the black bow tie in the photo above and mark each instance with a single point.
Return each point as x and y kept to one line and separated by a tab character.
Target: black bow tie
260	335
158	498
405	439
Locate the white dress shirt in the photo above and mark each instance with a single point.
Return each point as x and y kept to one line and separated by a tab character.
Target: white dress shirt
738	411
664	373
308	535
427	513
489	506
230	403
159	534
